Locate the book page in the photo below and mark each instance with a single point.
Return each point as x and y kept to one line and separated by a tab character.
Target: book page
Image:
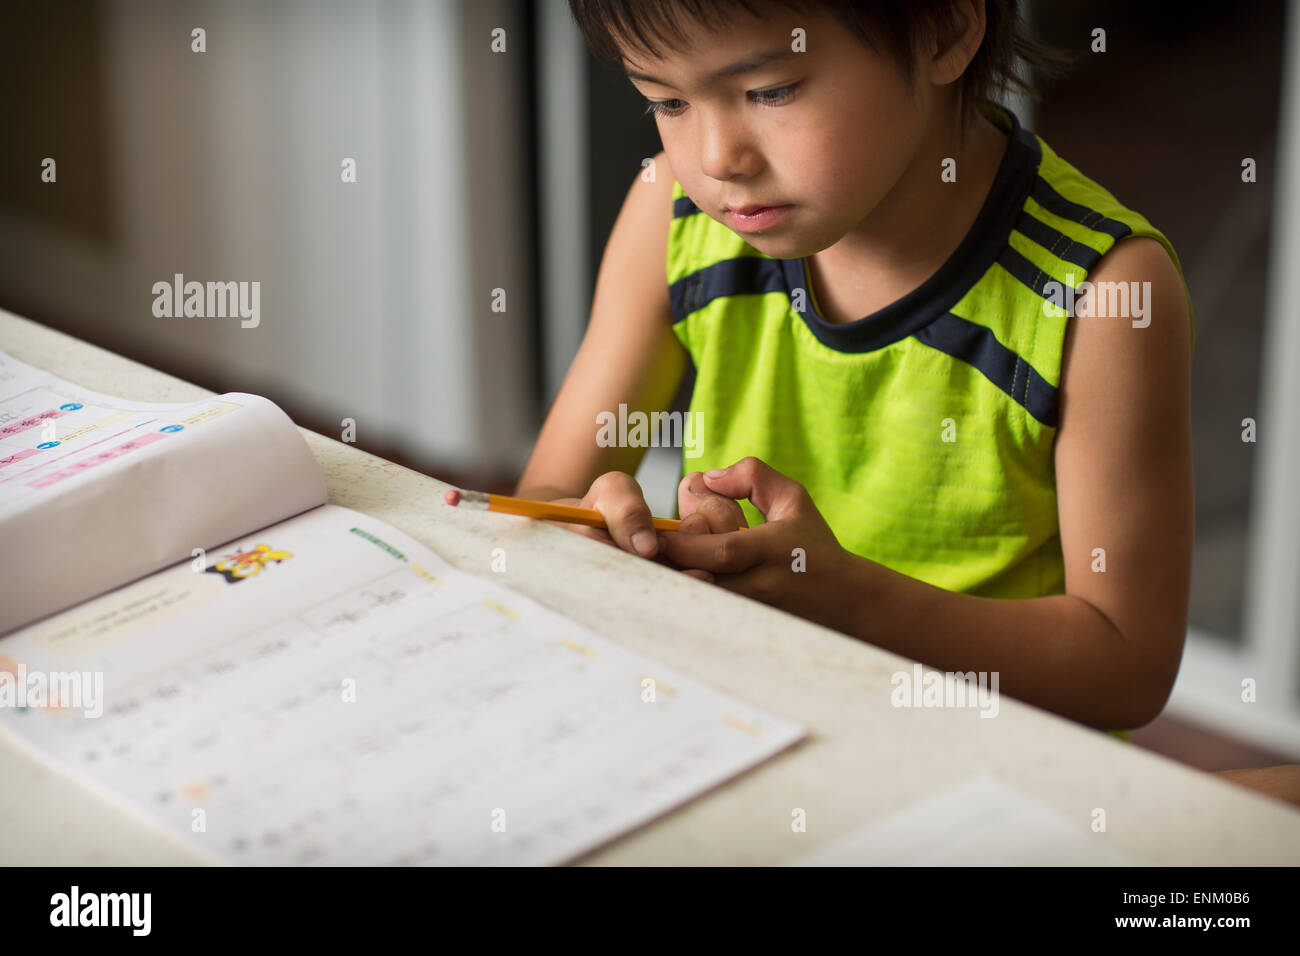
330	691
96	491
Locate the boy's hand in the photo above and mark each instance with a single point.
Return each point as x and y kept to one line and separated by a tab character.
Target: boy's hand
792	561
705	512
617	496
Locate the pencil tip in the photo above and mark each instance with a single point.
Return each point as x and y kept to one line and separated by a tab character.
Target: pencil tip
451	496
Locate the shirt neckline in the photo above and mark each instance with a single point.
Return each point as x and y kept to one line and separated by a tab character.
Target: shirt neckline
978	250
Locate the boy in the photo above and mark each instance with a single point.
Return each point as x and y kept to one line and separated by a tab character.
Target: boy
874	271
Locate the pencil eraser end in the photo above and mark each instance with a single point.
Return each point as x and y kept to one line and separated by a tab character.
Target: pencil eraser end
451	496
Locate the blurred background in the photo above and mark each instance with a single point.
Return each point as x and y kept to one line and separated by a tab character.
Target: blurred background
481	170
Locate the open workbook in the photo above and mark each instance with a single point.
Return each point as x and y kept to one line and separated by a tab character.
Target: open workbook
190	628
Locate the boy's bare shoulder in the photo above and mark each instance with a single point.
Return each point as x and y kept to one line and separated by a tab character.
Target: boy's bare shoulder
1112	361
664	176
632	285
1144	266
652	189
636	253
1139	258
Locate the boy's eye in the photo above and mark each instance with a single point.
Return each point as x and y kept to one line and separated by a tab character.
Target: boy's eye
664	107
774	97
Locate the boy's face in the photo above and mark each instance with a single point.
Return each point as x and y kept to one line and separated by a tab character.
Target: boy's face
841	129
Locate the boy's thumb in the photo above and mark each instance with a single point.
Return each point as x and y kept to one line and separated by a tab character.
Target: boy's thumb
775	495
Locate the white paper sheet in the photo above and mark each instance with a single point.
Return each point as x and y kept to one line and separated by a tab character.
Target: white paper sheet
980	822
485	728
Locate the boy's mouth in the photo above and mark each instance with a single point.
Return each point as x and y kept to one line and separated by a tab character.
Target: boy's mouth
755	218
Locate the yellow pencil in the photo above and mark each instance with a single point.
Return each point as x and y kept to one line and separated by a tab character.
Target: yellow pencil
546	510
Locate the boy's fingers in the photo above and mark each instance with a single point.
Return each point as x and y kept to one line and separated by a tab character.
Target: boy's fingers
775	495
727	553
722	514
695	523
698	573
689	491
587	531
618	498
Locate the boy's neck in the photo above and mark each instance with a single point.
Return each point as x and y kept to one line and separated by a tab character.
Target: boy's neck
915	228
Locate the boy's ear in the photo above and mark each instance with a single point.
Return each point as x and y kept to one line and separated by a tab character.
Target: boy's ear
955	39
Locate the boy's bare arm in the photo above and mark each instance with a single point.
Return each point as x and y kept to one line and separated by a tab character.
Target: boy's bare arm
629	353
1106	652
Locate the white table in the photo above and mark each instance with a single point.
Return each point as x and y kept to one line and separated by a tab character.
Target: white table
863	759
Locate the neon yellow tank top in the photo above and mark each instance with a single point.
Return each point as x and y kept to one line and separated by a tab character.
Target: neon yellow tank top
924	432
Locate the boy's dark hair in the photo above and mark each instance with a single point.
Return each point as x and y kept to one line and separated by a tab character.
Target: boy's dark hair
891	27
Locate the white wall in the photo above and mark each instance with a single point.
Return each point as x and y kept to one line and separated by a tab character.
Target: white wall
226	166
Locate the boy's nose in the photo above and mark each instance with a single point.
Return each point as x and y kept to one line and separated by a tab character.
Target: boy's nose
726	153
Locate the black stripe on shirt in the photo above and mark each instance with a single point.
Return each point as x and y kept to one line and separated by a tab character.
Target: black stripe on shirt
1057	243
978	347
1055	203
743	275
1028	273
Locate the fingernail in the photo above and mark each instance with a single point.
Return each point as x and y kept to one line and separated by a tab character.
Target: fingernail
716	473
697	485
644	542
